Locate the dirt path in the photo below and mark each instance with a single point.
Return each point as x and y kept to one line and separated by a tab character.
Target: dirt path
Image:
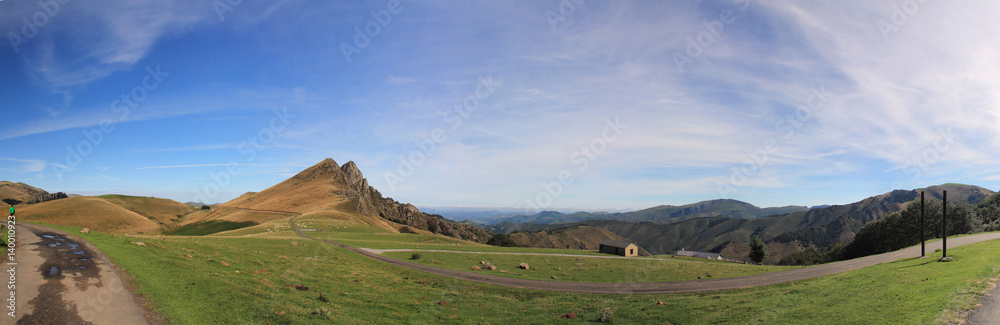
670	287
62	279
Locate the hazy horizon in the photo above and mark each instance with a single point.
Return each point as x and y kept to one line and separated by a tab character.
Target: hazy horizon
622	105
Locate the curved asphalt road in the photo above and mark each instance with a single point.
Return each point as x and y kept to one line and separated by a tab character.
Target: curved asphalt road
749	281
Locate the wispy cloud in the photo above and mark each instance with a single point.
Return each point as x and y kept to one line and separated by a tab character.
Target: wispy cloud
28	165
195	166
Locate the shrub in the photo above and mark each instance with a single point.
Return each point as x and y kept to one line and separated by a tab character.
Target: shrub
501	240
415	256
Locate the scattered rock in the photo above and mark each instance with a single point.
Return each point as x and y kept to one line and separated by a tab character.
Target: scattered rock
504	271
188	256
224	263
660	303
476	268
443	303
699	278
139	243
568	316
295	243
554	277
491	267
557	268
84	230
523	265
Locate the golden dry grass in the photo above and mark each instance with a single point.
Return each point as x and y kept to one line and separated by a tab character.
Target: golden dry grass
91	212
163	211
311	190
315	193
18	191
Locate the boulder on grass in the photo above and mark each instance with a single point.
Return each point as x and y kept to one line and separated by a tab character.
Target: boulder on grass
523	265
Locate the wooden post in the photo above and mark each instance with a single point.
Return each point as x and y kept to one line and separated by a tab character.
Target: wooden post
923	250
944	217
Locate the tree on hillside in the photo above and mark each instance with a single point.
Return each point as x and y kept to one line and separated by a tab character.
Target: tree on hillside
501	240
989	213
902	229
757	250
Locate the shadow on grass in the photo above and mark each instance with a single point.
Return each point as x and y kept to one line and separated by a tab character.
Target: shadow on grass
208	228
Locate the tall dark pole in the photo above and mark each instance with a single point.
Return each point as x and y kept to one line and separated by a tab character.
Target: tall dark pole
923	251
944	218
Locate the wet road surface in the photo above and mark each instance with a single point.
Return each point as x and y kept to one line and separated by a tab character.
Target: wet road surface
63	280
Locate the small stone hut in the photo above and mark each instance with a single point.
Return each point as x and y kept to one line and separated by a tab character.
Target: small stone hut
618	247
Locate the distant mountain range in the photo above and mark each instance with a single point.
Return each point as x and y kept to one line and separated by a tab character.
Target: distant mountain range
660	214
820	226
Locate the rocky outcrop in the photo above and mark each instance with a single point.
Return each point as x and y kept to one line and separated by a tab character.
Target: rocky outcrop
367	200
48	197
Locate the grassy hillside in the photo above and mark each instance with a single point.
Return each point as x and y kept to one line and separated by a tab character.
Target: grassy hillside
342	192
313	189
575	237
93	212
266	278
14	193
163	211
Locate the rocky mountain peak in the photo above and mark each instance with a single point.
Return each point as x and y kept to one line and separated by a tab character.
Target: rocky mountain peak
353	174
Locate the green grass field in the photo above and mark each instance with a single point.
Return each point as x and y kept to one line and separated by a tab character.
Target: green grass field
589	269
201	290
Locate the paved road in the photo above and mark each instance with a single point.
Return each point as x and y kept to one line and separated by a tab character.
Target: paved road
671	287
62	279
988	312
380	251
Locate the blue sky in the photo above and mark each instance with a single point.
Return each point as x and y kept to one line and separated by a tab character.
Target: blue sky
539	104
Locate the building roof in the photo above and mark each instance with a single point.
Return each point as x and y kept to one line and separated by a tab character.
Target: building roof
615	243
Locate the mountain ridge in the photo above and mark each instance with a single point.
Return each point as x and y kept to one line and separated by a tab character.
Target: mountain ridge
660	213
821	226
